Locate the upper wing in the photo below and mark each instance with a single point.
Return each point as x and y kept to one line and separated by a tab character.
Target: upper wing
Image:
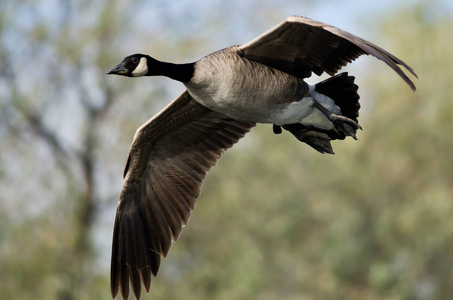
300	45
167	163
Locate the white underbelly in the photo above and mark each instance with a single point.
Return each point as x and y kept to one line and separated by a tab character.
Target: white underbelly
305	113
258	109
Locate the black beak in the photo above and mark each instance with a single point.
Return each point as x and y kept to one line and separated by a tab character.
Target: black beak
119	70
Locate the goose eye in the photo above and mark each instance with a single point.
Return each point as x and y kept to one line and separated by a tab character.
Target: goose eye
134	60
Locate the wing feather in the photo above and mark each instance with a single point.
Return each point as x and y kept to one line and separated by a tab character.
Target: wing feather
167	163
300	46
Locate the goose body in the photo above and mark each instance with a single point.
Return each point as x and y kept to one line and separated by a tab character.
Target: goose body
243	89
227	93
235	86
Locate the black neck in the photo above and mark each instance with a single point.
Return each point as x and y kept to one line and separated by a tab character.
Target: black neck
179	72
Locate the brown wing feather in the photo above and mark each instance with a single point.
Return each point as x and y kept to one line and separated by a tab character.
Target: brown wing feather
300	46
167	163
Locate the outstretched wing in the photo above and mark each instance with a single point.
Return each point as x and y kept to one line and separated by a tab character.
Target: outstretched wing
300	46
167	163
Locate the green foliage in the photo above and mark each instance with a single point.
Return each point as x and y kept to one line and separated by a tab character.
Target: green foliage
275	220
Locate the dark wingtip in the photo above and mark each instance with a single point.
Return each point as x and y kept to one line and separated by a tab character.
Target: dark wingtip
408	81
403	75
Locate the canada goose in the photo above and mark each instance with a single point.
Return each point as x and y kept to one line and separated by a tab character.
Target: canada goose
228	92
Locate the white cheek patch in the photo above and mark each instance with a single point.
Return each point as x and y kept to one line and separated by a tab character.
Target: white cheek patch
141	69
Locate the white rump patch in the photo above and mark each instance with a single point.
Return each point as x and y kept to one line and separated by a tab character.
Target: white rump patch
316	118
305	113
141	69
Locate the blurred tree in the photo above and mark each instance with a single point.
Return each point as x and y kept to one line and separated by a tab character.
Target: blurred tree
64	140
53	101
61	139
275	220
278	221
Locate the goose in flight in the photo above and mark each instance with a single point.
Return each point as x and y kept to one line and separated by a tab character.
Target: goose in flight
227	93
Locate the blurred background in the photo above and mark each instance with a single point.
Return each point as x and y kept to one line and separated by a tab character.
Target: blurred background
276	219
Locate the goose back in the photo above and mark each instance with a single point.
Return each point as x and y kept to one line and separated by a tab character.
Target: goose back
235	86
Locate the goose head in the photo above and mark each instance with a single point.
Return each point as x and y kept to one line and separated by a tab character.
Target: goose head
135	65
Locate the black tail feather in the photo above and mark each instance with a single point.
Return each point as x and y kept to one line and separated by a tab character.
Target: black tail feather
342	89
